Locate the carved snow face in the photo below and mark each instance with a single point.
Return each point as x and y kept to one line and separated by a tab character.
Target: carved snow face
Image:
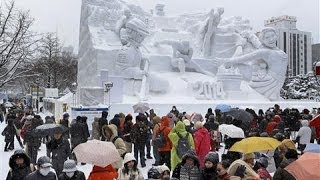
269	39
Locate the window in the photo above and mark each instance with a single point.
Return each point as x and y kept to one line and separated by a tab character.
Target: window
305	53
285	42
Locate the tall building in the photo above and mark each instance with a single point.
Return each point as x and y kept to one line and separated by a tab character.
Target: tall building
315	53
296	43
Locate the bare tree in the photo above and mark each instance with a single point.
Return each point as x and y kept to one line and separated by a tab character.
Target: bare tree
16	42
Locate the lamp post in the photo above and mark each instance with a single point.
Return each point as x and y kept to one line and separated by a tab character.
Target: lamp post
37	100
73	90
108	86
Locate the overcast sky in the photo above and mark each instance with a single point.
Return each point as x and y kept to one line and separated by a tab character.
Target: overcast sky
63	16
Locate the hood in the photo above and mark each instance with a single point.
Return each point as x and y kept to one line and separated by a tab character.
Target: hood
180	127
277	118
108	168
129	157
190	154
115	121
304	123
203	131
156	120
113	128
16	154
165	121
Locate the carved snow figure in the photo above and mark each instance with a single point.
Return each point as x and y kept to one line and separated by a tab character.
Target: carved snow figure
210	30
272	63
121	28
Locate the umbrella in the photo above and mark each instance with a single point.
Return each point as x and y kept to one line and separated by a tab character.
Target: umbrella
141	107
223	107
255	144
231	131
314	148
99	153
306	167
288	143
240	114
315	121
50	129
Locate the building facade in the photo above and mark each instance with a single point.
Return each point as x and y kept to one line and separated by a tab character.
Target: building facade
315	53
296	43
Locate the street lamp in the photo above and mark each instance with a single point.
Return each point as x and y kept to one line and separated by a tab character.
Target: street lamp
73	90
108	86
37	101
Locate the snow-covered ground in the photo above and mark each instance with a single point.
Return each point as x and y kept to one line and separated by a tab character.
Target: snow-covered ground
4	158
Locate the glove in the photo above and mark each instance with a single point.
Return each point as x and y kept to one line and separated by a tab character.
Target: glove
240	171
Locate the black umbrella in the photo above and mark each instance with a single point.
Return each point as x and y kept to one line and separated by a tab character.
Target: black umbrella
241	115
50	129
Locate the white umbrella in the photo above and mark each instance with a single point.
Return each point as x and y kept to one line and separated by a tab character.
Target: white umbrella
140	107
99	153
231	131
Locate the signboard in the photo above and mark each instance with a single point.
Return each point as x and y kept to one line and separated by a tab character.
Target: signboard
51	92
91	113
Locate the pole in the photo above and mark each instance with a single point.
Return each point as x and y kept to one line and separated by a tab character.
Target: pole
37	103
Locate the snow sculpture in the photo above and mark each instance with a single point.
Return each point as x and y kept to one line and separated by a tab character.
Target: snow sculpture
121	27
270	65
210	30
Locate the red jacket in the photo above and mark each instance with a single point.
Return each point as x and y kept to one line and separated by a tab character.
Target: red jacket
164	127
100	173
202	144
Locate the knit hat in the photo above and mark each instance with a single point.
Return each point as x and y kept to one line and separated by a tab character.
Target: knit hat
186	122
65	115
190	154
129	157
248	156
163	168
44	161
263	161
69	166
153	173
212	157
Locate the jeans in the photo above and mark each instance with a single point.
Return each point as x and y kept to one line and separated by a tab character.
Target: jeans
156	155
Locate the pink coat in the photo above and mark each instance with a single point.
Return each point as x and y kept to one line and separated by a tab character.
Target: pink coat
202	144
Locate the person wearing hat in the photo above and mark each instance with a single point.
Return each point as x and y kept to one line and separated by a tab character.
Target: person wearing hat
20	165
70	171
261	168
164	172
189	168
154	174
65	122
281	174
43	171
209	170
130	171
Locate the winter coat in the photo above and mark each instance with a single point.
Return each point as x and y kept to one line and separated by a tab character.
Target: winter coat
202	144
117	141
165	128
262	126
65	123
304	132
78	175
174	138
264	174
59	151
30	137
281	173
209	174
9	132
18	173
127	127
270	127
102	121
183	172
103	173
96	133
37	176
139	133
137	174
78	133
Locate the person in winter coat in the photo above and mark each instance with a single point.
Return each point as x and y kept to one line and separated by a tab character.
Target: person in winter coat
31	139
175	111
222	170
65	122
70	171
188	168
165	151
273	124
116	121
20	166
304	135
43	171
103	121
78	133
139	135
209	113
110	134
9	132
103	173
130	171
201	142
58	149
156	126
127	126
95	129
261	168
174	138
209	172
281	174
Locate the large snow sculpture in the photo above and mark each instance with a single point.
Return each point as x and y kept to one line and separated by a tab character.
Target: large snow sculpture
270	65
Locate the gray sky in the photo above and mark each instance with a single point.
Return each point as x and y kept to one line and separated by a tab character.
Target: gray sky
63	16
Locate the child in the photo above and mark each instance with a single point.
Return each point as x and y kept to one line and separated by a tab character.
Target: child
130	171
210	166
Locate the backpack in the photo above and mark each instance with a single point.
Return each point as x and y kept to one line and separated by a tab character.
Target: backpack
160	140
183	145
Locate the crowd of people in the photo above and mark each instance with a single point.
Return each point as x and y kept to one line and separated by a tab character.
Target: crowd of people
184	146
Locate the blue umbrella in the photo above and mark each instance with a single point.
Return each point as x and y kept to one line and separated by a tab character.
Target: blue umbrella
223	107
315	148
